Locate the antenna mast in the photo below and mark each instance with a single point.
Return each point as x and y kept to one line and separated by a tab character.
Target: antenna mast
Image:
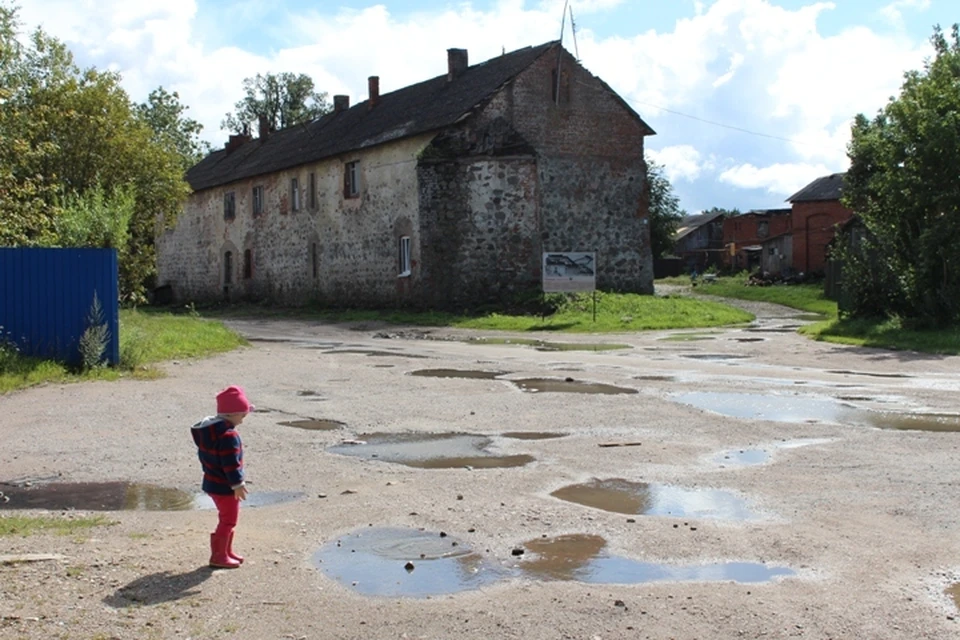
573	28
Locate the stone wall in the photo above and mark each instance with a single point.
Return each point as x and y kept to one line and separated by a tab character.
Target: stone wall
340	251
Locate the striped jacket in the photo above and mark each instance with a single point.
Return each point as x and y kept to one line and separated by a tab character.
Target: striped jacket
221	455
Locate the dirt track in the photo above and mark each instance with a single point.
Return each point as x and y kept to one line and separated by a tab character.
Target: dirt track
865	518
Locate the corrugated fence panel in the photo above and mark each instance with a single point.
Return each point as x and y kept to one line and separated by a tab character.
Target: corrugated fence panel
46	298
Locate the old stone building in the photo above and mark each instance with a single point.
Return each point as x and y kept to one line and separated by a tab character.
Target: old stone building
441	194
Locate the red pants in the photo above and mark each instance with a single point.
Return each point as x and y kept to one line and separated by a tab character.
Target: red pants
228	508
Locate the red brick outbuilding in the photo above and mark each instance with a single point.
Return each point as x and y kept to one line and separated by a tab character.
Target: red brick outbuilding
817	213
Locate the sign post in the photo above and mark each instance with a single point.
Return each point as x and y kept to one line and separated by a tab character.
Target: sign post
570	272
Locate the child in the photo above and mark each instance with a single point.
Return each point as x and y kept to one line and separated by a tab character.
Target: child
221	456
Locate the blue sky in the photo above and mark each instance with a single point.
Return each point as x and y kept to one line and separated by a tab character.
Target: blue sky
751	99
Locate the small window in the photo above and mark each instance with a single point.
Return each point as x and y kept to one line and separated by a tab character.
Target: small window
313	191
228	267
763	229
247	264
351	182
313	259
257	201
294	194
404	257
229	206
559	87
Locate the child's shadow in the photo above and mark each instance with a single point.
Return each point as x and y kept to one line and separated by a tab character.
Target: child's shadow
159	587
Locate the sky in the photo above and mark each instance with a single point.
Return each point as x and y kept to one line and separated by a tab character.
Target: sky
751	99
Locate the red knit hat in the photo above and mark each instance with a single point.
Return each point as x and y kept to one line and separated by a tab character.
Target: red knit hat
233	400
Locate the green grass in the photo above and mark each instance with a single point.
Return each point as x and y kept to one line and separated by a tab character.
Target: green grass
29	525
805	297
574	314
886	334
146	337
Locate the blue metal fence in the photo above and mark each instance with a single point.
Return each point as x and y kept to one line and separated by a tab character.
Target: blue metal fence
46	296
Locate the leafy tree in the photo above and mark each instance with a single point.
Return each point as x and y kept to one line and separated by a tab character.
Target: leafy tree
284	99
904	185
727	213
665	211
164	113
64	134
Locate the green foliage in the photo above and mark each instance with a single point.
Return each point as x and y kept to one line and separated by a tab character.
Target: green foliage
172	130
63	525
283	99
805	297
665	211
67	132
886	333
903	184
96	219
95	338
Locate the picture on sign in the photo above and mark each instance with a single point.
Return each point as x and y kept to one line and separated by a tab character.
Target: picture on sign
569	271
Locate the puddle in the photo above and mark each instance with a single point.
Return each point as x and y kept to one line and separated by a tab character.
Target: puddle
532	435
458	373
97	496
656	378
809	317
552	385
715	356
541	345
639	498
750	339
375	561
307	393
953	592
430	451
120	496
866	373
743	457
374	353
687	337
580	557
806	409
315	425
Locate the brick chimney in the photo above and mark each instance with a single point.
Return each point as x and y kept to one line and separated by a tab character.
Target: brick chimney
341	103
264	123
235	142
456	63
373	84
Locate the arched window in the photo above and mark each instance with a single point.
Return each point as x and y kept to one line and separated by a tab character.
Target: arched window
228	267
247	264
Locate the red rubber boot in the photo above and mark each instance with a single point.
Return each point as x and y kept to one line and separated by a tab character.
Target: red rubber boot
230	552
218	553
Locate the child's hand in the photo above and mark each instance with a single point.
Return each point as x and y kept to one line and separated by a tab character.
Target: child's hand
240	493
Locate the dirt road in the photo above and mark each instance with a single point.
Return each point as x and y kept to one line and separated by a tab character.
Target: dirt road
773	487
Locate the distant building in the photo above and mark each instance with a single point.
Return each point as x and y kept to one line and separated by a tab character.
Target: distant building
744	236
817	213
699	241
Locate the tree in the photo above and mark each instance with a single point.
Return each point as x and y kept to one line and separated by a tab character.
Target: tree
726	213
66	133
904	185
164	114
665	211
284	99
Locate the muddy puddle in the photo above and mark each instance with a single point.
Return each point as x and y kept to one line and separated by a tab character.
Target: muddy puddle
430	451
581	558
640	498
119	496
688	337
532	435
568	385
404	562
743	457
656	378
254	499
312	424
542	345
396	562
458	373
715	356
783	408
953	592
373	353
845	372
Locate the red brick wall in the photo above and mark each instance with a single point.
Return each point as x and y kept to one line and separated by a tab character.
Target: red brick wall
743	231
814	225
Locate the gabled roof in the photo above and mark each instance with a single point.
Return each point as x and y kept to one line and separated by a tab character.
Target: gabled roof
766	212
691	223
825	188
416	109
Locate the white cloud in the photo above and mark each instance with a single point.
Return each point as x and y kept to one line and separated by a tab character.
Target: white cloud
778	179
680	162
893	12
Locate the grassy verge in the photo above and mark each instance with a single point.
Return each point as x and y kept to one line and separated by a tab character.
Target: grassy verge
805	297
572	314
29	525
146	337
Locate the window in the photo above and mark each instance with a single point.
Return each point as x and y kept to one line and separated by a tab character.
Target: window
294	194
351	181
229	206
247	264
228	267
313	259
559	87
404	255
257	201
763	229
313	191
